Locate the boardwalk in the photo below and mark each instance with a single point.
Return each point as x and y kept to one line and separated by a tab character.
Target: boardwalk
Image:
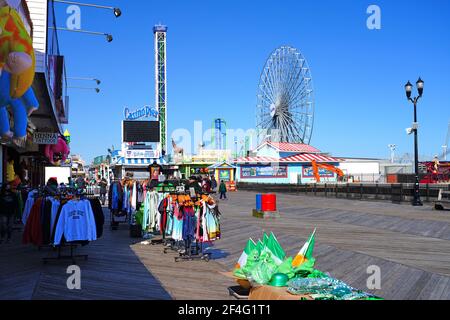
410	245
112	271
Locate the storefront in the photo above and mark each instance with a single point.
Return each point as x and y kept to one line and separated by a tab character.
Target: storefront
194	169
27	164
223	171
285	164
46	100
137	168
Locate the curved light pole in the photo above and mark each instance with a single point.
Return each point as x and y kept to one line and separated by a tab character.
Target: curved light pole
108	36
87	79
85	88
408	89
117	11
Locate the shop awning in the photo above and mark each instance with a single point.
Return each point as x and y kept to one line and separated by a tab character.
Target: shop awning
145	162
224	165
290	147
308	157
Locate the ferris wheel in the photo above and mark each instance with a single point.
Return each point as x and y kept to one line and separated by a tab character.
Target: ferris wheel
285	109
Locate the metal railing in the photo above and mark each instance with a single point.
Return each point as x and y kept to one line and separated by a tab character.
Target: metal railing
397	192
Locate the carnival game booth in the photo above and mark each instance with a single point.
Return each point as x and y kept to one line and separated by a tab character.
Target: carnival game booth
136	167
287	163
224	171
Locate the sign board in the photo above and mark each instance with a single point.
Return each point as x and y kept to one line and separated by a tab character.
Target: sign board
308	172
45	138
264	172
224	175
145	112
141	154
141	131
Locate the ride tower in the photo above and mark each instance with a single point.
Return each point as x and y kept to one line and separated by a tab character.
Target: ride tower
219	134
160	32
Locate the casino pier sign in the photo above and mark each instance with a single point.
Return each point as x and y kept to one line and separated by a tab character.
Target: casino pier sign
145	112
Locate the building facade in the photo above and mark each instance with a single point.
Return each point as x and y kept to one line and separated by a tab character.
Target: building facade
28	155
284	163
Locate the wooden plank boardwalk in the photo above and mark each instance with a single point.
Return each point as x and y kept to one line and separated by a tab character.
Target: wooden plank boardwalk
410	245
112	272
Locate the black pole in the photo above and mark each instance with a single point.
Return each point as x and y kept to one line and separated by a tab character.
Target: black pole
416	201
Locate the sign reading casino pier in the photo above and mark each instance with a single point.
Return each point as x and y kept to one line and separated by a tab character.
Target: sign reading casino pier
145	112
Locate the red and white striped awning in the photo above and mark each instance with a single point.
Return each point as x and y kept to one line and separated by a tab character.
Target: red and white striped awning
298	158
290	147
256	160
308	157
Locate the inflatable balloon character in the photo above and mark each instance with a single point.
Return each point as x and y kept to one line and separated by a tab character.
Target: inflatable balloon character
10	172
17	69
57	152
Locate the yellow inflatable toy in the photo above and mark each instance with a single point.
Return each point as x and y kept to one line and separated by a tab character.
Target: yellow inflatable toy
16	52
10	173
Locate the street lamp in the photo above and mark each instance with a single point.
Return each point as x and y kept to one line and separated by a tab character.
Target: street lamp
109	37
392	147
85	88
117	11
87	79
408	89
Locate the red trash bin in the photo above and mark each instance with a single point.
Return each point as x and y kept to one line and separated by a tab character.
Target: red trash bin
269	202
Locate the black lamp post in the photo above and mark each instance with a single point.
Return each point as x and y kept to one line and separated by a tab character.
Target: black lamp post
408	88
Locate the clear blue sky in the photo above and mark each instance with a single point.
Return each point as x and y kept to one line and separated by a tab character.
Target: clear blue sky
217	48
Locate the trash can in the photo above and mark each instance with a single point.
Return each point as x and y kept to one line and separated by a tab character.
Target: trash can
259	202
269	202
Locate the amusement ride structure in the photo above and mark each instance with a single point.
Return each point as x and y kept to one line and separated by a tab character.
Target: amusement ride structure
160	32
285	108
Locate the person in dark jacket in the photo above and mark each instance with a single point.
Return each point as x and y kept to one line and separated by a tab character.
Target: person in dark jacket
9	205
223	190
213	183
103	184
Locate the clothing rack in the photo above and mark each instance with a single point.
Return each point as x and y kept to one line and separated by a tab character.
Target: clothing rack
166	242
187	249
72	256
193	252
64	194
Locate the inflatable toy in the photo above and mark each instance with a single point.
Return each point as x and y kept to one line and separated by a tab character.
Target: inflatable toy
21	109
58	152
17	69
10	173
16	51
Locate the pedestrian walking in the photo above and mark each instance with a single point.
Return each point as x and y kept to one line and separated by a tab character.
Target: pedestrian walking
103	184
213	183
223	190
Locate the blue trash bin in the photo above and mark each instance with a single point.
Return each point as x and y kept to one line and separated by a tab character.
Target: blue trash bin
259	202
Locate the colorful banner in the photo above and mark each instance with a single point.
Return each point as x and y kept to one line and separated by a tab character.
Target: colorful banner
224	175
308	172
264	172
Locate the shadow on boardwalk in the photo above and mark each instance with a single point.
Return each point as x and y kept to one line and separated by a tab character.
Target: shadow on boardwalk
112	272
